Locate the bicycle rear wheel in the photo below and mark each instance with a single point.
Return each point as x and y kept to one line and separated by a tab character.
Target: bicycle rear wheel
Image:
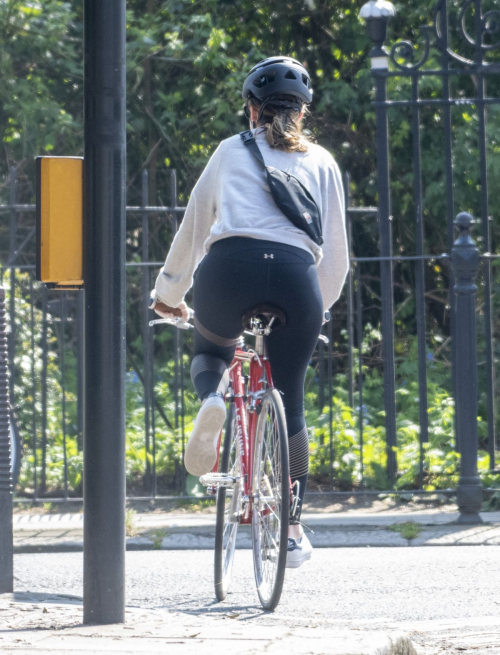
271	500
228	510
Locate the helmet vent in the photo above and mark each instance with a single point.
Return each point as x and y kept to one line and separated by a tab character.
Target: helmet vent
305	79
290	75
262	80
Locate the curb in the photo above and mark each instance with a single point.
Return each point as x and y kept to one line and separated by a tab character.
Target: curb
202	538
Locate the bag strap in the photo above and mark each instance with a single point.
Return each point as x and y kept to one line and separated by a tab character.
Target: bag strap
249	141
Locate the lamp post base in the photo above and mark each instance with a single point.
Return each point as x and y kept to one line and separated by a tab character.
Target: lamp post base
469	500
467	518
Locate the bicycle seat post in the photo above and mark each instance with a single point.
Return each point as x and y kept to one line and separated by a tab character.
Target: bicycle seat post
261	320
259	330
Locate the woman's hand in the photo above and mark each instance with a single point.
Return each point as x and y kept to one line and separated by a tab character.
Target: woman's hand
165	311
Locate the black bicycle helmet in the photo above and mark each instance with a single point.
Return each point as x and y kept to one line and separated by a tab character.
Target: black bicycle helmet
278	76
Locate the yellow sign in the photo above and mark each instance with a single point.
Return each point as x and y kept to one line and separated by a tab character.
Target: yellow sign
59	227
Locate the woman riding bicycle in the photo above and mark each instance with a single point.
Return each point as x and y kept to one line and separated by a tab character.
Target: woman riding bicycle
252	254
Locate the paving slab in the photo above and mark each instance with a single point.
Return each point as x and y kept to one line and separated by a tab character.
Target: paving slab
31	623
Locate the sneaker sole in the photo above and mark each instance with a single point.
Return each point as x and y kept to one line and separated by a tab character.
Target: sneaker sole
201	449
297	563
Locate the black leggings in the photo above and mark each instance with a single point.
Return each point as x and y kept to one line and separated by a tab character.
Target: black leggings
237	274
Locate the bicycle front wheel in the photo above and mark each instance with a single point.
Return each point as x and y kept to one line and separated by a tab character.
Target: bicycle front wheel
228	510
271	500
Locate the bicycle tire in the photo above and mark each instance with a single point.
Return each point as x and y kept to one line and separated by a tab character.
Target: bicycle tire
225	532
270	474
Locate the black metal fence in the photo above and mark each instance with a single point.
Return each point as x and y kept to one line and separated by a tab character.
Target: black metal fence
380	395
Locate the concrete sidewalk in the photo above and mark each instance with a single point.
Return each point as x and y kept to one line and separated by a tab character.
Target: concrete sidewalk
166	531
45	623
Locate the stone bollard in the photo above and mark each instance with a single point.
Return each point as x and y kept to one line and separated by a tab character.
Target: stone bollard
465	263
6	544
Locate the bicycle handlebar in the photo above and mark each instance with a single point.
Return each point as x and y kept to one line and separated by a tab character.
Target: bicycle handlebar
176	322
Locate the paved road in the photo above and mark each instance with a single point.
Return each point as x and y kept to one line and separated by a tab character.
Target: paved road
443	597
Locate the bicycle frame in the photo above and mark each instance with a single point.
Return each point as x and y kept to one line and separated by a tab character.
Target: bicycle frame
247	395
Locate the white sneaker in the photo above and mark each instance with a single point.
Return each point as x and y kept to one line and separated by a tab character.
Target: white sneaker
201	449
299	551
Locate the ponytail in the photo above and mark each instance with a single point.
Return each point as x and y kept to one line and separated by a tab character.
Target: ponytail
283	129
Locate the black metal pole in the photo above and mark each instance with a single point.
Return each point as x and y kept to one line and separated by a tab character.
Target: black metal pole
13	213
448	168
146	332
420	285
62	331
359	319
487	277
104	276
178	365
350	293
386	283
481	92
6	537
321	376
465	263
330	401
45	347
33	390
80	336
12	258
377	21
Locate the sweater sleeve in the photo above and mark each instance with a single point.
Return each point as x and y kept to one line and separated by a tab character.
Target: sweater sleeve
186	251
332	269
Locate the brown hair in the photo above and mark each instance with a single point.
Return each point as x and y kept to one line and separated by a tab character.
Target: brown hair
283	129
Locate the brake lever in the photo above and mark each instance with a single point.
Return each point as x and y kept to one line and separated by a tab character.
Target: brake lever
176	322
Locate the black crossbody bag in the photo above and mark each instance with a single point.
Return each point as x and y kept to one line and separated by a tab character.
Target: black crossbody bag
289	194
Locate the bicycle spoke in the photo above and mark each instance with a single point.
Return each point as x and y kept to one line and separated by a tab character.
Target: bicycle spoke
273	541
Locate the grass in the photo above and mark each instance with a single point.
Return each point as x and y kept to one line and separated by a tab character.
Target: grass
493	503
408	530
130	528
157	537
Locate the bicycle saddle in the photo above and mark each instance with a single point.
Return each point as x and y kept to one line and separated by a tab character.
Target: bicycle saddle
265	313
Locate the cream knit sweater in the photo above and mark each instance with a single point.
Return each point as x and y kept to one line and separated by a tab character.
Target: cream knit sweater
232	198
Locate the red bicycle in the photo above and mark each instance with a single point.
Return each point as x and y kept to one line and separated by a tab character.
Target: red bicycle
251	478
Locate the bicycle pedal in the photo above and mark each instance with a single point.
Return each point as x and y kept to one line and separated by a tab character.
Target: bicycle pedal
218	480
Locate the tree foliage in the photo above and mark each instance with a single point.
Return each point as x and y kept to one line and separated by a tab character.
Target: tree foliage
186	62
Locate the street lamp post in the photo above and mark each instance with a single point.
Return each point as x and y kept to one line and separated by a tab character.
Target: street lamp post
377	14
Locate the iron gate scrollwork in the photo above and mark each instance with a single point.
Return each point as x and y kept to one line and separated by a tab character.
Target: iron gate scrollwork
461	39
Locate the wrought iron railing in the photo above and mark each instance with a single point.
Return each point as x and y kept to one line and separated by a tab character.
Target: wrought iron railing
60	313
